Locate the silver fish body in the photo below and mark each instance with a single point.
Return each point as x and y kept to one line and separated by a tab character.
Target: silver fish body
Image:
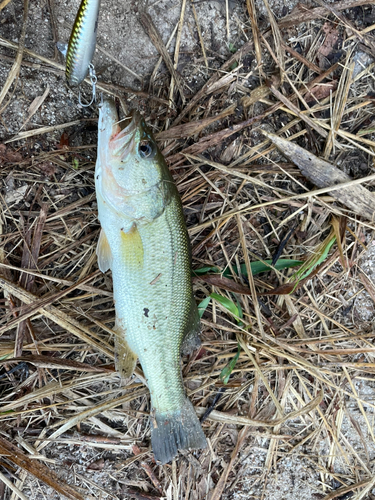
145	243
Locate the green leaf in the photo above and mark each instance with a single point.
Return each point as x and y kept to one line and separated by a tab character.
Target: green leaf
232	48
257	267
205	270
226	372
202	306
240	315
322	257
317	258
234	309
228	304
75	164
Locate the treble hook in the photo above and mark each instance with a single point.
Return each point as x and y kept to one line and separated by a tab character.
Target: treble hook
93	81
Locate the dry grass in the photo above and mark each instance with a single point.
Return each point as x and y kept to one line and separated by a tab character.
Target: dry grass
302	388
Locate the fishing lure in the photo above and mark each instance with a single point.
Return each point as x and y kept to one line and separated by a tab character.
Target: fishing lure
80	50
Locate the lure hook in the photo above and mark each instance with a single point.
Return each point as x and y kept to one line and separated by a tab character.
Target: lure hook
93	81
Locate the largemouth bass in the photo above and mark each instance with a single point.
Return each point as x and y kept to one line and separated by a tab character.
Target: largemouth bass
144	242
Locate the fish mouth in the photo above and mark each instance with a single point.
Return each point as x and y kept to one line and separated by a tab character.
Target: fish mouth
118	135
126	136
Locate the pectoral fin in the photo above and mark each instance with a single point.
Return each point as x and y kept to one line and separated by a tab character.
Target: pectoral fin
132	248
103	251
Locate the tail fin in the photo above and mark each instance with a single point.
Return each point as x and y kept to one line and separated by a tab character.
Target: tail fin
179	430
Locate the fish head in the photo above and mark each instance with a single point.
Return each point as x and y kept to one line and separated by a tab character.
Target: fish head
131	174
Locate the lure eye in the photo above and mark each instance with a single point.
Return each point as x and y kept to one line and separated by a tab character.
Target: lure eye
146	149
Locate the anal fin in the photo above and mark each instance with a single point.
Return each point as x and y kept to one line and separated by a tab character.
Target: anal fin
125	358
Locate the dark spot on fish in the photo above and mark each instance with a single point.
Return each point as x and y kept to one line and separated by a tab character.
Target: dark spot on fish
97	176
146	311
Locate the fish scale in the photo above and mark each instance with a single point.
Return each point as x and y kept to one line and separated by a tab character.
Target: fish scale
158	307
161	297
144	242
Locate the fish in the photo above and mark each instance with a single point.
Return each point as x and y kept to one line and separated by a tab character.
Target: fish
144	241
80	50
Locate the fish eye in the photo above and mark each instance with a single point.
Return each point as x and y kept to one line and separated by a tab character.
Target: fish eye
146	149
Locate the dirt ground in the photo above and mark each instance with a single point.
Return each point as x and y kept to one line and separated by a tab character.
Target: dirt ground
325	448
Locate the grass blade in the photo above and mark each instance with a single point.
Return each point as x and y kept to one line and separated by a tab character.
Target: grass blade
257	267
226	372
